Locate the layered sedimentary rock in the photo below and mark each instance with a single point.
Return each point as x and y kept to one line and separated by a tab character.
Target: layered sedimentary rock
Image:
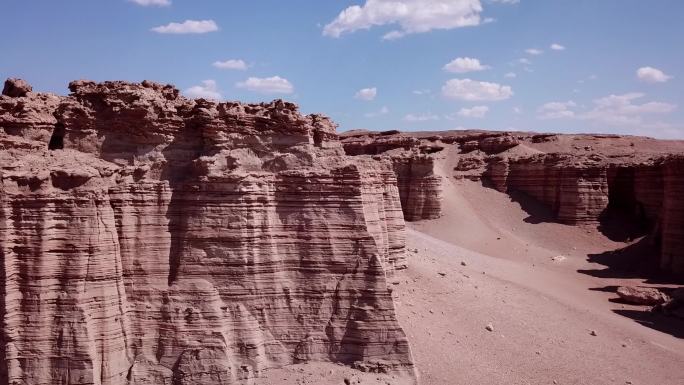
583	179
150	239
420	189
420	186
576	192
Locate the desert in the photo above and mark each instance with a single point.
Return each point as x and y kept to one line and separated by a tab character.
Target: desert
484	223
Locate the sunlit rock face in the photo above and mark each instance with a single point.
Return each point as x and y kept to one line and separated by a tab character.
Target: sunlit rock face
150	239
420	186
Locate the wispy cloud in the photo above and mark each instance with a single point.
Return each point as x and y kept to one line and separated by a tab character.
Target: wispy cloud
474	112
188	27
147	3
272	85
366	94
534	51
382	111
232	64
556	110
618	110
207	90
557	47
421	117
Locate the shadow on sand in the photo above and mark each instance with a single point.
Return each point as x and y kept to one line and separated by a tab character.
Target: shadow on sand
666	324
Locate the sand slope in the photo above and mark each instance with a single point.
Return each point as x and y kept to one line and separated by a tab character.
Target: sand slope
542	311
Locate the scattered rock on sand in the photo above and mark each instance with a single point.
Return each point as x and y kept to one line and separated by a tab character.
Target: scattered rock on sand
593	333
490	327
463	263
558	258
641	295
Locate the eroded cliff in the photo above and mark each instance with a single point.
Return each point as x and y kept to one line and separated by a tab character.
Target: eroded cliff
150	239
629	183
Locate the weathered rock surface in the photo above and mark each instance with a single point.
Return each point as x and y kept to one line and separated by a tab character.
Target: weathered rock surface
641	295
420	187
16	88
150	239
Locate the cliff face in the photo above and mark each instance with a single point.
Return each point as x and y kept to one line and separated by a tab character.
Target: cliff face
149	239
420	186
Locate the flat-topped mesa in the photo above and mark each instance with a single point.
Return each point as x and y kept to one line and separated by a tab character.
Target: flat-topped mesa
148	238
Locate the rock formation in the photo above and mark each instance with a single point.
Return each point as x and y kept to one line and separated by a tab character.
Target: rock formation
150	239
585	180
420	187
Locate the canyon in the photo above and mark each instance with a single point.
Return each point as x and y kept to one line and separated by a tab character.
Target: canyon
147	238
583	180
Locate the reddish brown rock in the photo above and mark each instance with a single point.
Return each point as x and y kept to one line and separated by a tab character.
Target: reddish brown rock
420	187
16	88
641	295
498	144
150	239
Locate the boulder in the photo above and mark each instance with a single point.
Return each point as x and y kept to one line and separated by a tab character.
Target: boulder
641	295
15	88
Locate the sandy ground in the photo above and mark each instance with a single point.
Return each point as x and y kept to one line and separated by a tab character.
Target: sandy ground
489	262
543	312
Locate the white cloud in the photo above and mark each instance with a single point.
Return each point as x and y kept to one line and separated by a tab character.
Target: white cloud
511	75
557	47
534	51
474	112
208	90
272	85
232	64
505	1
524	61
620	109
367	94
147	3
517	110
383	111
411	16
420	117
465	64
652	75
556	110
188	26
473	90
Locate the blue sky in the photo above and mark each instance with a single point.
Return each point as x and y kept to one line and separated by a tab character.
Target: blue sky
615	65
